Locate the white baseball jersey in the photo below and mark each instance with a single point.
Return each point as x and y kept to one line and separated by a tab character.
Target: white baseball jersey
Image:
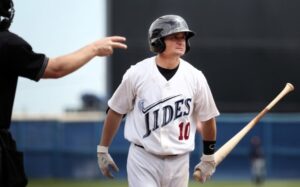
161	114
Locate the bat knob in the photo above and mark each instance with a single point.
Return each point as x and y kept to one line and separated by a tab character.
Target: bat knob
291	87
197	175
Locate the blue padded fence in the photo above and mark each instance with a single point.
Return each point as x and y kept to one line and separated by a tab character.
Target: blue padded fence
67	149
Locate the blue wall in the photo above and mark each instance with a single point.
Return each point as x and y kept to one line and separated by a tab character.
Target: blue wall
54	148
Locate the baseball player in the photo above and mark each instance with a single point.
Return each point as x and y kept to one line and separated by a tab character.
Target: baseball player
258	162
18	59
163	97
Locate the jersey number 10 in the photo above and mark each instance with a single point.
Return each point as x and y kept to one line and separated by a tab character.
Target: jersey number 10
184	131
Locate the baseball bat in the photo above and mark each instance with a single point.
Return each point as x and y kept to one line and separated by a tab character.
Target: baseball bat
230	144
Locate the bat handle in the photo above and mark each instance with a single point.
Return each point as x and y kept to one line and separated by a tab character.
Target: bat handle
197	175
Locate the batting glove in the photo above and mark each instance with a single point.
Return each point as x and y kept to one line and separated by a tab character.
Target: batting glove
207	167
105	162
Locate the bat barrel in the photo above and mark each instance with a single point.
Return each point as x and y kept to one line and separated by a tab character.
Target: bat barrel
230	144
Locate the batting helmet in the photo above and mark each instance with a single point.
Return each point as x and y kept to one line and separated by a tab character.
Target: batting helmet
164	26
7	13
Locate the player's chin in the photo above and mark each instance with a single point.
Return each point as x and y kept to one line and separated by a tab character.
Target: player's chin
180	52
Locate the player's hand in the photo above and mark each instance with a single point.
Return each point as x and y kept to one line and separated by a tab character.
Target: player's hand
207	167
105	46
105	162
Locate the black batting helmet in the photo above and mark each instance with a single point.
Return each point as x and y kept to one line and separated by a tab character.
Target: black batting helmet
164	26
7	13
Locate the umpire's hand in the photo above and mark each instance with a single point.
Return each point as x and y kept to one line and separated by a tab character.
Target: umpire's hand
106	46
105	162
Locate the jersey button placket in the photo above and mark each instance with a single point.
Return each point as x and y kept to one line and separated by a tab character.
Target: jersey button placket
166	92
163	140
168	86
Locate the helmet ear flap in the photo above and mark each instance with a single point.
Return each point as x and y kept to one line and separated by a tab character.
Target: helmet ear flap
158	46
188	46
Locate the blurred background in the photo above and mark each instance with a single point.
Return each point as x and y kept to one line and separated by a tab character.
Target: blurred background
248	50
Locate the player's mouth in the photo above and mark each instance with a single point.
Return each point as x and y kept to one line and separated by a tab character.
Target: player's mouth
180	49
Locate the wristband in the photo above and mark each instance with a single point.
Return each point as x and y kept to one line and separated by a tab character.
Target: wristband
209	147
102	149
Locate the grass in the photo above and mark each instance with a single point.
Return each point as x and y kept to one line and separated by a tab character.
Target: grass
123	183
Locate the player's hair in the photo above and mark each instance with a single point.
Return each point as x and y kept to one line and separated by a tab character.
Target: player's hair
7	13
164	26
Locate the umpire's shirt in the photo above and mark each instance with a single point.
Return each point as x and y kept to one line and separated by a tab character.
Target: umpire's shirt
16	59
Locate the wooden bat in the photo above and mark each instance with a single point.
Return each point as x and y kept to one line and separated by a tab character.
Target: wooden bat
230	144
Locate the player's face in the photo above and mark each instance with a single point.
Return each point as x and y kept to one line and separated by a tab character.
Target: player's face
175	44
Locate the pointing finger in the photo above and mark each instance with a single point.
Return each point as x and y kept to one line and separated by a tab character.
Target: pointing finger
117	38
119	45
118	42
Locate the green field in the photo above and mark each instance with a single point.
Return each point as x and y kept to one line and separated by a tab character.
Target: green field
120	183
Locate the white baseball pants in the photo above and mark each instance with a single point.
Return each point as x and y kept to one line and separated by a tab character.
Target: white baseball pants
147	170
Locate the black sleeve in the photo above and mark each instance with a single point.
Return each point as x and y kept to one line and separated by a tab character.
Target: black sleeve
24	62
